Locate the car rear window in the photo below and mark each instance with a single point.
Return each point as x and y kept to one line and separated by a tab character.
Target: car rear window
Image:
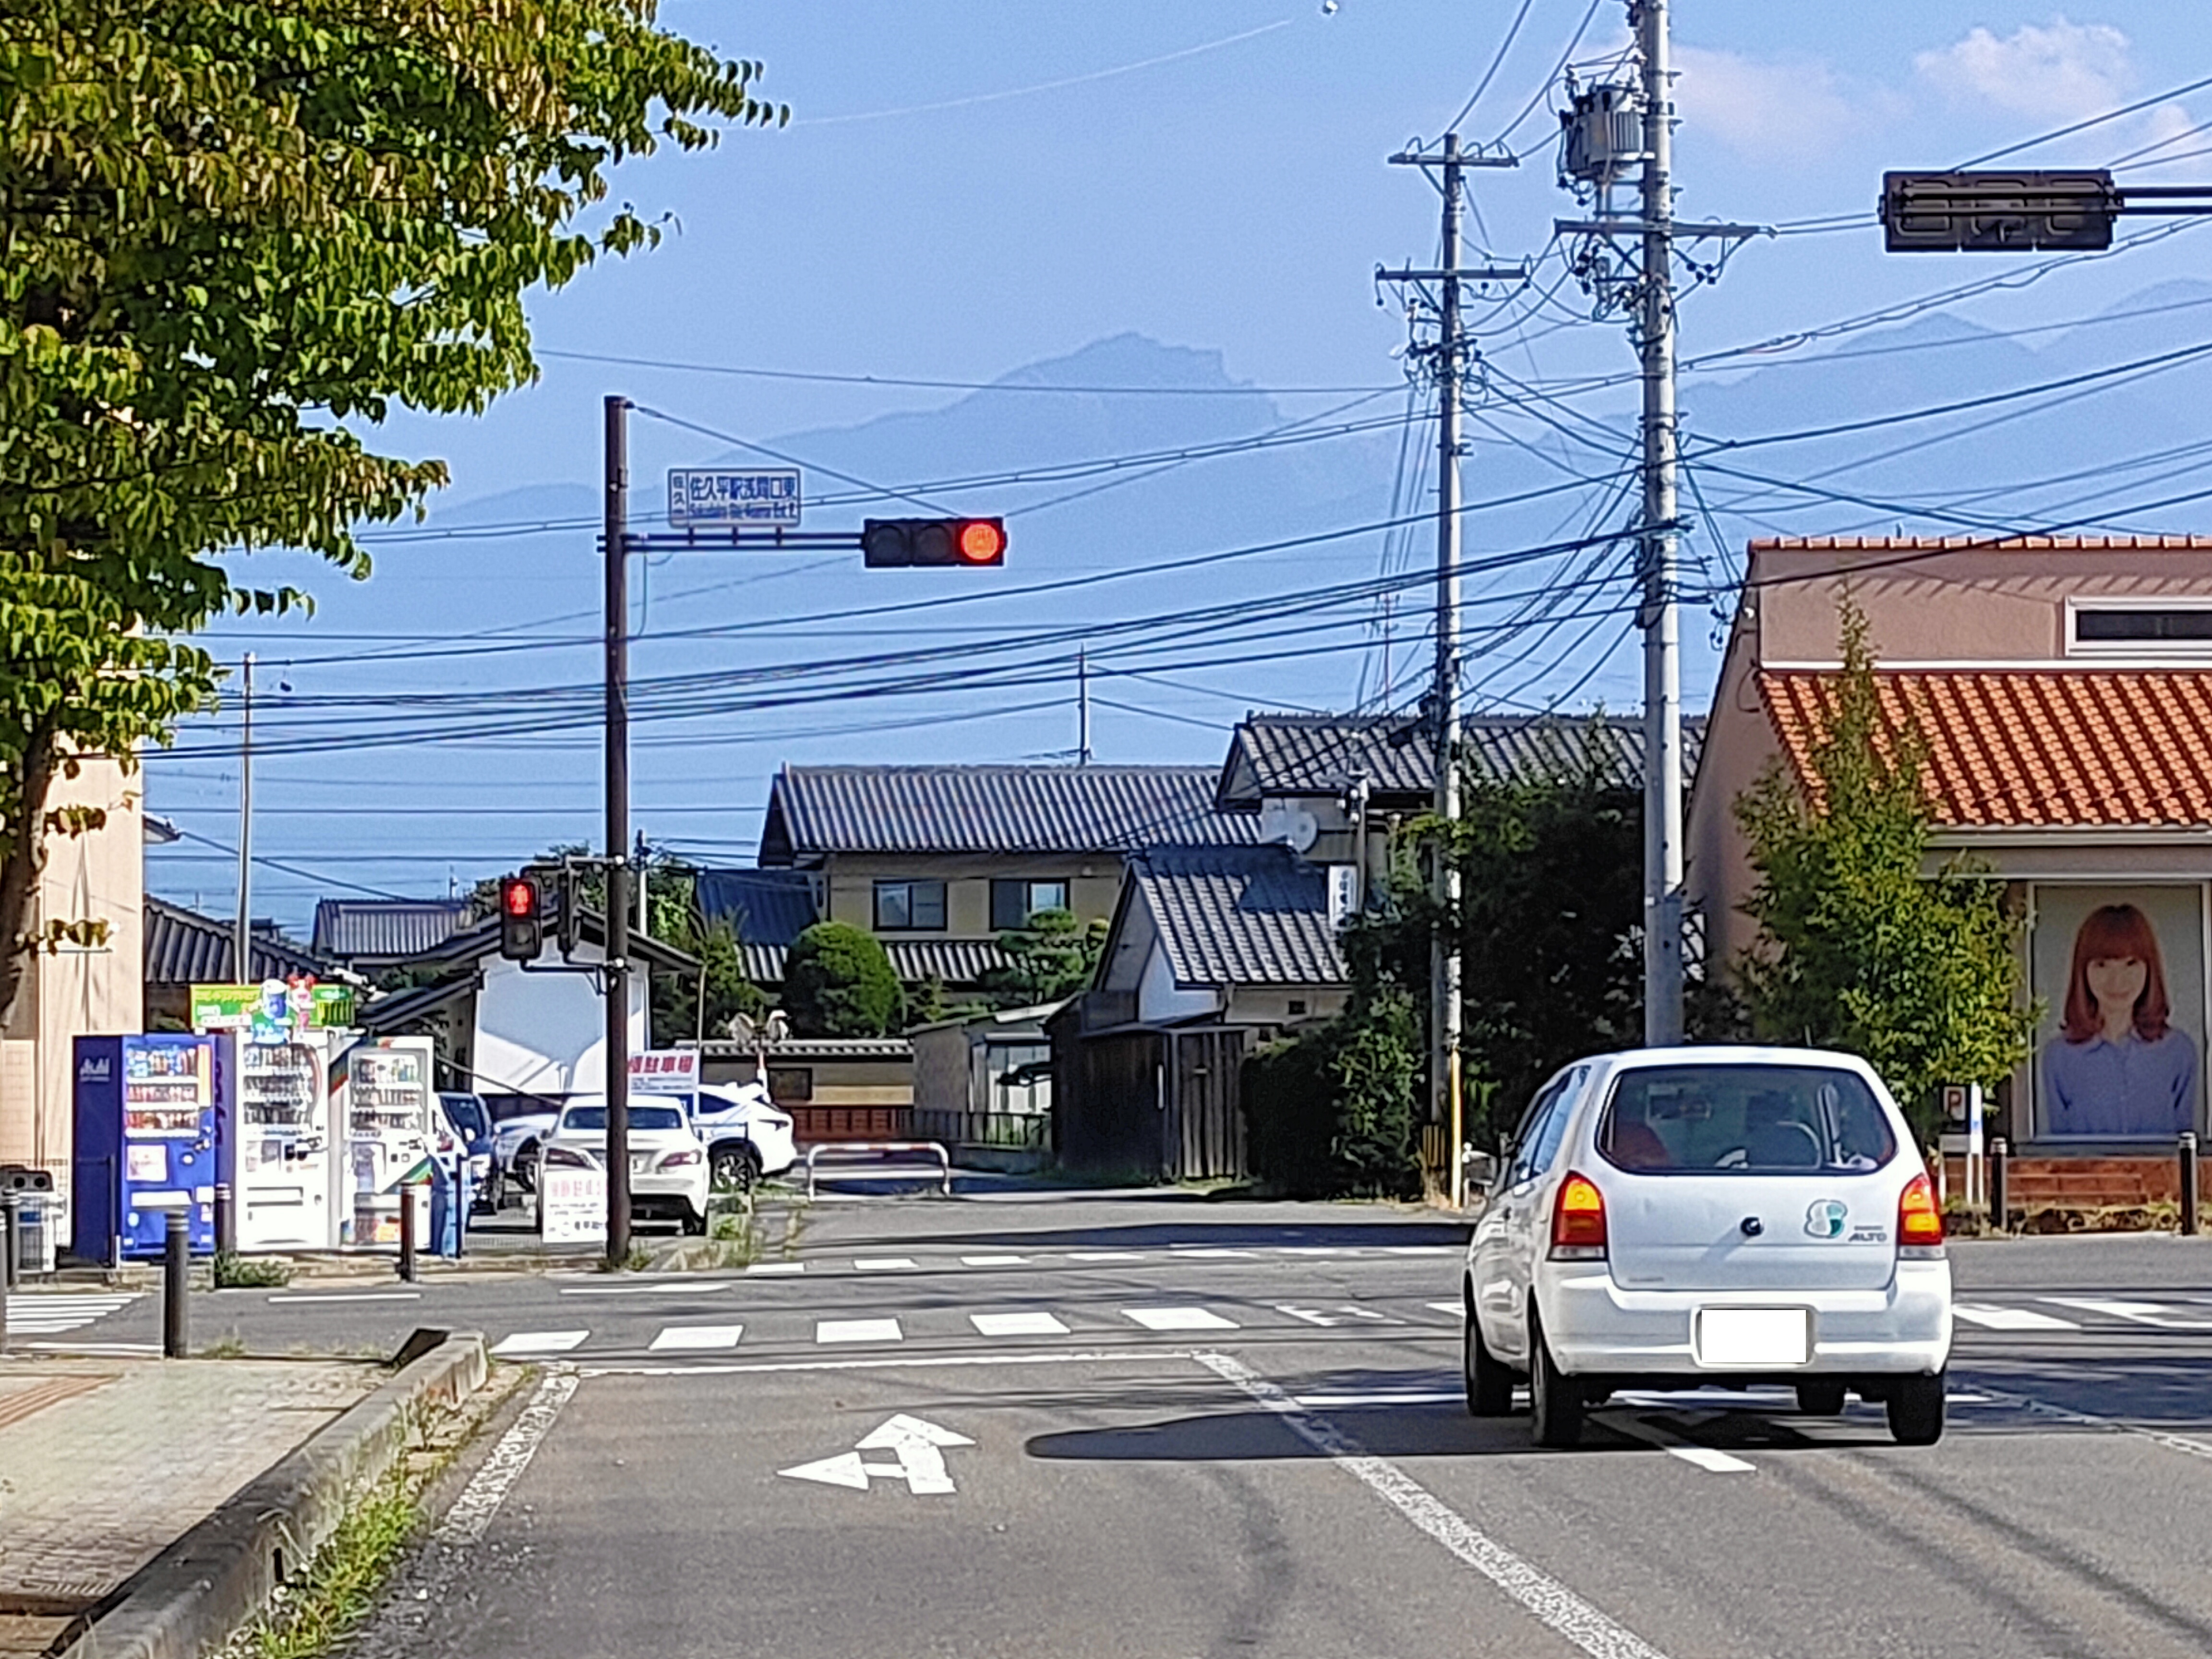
641	1117
1706	1120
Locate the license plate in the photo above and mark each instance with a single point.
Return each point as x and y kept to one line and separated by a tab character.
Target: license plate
1754	1336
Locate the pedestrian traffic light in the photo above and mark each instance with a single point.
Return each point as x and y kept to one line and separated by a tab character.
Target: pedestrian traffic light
888	544
1997	212
521	920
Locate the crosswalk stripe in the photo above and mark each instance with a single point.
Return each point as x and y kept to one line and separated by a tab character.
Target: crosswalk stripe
858	1330
1178	1319
762	1268
2010	1319
1105	1255
993	1260
1017	1324
881	1264
692	1338
540	1342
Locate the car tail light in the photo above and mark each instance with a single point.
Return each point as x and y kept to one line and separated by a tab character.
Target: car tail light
677	1160
563	1157
1578	1221
1919	1221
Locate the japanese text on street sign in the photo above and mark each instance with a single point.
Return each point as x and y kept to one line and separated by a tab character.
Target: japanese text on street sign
717	496
572	1205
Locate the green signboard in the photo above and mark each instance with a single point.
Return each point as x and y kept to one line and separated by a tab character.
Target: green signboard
270	1011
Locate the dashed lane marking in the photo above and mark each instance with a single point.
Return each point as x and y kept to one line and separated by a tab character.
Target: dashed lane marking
1178	1319
532	1342
993	1260
348	1296
2157	1315
883	1264
1017	1324
2009	1318
858	1330
1105	1255
762	1269
693	1338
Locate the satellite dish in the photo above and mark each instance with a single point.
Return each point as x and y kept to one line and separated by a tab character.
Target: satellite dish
1302	828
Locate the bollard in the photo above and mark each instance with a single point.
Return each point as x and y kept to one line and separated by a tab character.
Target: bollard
1998	1149
11	1237
226	1225
406	1233
2189	1200
176	1281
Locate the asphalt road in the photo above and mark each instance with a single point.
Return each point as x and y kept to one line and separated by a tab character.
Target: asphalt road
1177	1430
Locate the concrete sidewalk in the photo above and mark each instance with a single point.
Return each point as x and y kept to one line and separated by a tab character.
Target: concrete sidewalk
105	1462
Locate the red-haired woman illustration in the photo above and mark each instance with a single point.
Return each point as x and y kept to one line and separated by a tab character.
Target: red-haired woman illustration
2117	1067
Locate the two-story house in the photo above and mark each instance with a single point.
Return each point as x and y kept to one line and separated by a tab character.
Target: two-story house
2063	687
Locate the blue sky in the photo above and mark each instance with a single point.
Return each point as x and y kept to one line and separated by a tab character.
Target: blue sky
967	189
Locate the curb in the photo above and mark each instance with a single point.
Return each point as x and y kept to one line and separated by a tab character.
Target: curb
193	1596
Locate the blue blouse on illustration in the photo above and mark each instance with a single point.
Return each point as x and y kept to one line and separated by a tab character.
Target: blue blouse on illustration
2130	1087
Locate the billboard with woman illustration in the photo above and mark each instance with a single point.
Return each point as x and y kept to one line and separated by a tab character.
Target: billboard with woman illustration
2120	973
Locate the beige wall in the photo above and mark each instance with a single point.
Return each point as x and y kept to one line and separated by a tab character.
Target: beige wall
99	875
1270	1004
1093	884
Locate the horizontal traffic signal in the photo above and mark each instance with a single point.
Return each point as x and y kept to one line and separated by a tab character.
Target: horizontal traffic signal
889	544
521	920
1997	212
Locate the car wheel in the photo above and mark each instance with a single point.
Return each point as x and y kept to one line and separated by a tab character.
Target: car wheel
1915	1410
1555	1399
1821	1398
736	1168
1489	1381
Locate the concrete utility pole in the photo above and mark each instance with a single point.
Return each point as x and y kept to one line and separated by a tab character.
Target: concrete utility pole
616	541
241	939
1662	665
1451	352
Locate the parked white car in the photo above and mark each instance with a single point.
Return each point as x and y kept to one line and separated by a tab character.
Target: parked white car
1673	1218
748	1136
668	1176
514	1152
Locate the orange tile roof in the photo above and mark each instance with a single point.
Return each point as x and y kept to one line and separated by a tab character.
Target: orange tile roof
2001	543
2048	749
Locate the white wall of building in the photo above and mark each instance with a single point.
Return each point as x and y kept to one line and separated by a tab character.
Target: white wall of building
546	1033
1160	1000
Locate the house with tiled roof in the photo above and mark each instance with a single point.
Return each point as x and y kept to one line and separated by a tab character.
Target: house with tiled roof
2063	688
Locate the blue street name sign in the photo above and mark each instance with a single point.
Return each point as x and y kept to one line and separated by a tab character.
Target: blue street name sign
716	496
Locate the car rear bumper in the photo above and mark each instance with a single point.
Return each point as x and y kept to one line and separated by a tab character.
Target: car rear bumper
651	1193
1594	1327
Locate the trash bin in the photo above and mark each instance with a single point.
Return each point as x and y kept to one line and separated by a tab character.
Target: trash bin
40	1222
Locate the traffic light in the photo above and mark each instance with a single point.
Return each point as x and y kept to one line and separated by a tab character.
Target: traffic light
521	920
1997	212
887	543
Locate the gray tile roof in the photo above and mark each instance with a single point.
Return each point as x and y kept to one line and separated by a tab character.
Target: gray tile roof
1320	754
393	930
1240	915
184	947
960	963
817	810
766	907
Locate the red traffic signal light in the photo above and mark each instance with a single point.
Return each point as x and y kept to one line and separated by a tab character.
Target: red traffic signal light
521	920
893	544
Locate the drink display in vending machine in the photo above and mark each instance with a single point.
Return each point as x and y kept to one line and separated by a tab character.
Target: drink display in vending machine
276	1153
390	1109
146	1107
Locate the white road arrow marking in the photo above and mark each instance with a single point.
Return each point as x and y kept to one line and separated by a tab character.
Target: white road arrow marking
1311	1316
917	1445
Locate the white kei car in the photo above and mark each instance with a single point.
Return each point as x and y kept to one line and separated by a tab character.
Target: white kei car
1678	1217
667	1162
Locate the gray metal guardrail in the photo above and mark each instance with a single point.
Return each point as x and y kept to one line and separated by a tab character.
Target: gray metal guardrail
944	1159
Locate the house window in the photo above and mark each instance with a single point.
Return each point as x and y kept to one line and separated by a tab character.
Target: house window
1013	903
791	1083
2175	628
907	906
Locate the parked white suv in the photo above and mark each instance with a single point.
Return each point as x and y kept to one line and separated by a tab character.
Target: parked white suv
1673	1217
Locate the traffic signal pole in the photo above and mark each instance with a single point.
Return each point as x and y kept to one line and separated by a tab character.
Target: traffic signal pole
616	970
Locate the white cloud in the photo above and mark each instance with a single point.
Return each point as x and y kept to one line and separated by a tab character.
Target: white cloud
2062	70
1764	108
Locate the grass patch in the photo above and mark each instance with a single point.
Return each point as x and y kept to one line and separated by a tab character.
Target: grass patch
234	1272
312	1617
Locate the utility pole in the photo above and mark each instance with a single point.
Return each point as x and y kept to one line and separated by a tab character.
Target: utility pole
616	541
241	940
1082	706
1450	353
1662	663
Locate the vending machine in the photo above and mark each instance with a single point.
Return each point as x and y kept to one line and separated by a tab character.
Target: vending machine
146	1107
391	1114
277	1153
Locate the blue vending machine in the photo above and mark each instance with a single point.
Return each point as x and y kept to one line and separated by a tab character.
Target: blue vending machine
146	1109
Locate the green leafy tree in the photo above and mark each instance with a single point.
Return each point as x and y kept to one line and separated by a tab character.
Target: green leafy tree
678	1016
837	981
227	229
1858	948
1055	954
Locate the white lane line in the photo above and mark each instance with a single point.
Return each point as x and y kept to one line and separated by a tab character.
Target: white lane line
858	1330
692	1338
118	1349
1703	1457
881	1264
1420	1250
540	1342
674	1287
2157	1315
1552	1603
488	1487
1017	1324
1105	1255
1107	1357
993	1260
1178	1319
1452	1308
1323	1401
1310	1249
350	1296
761	1268
1210	1253
2009	1318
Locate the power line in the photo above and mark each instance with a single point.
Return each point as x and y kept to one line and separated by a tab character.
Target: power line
1496	62
2083	127
1050	388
